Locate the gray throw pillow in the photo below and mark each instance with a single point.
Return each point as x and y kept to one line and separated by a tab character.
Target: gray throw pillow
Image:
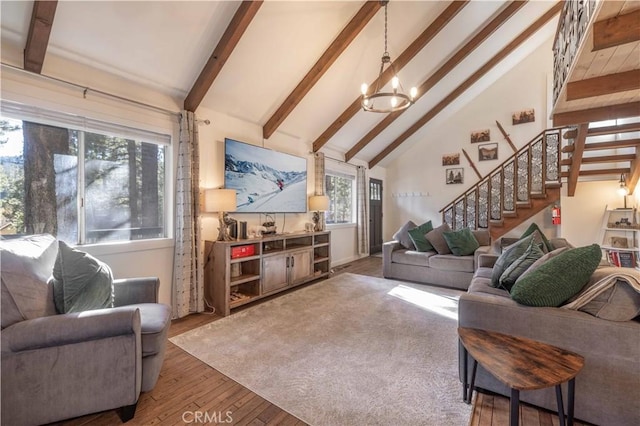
533	228
461	242
436	238
25	267
483	236
620	302
559	279
402	235
508	256
418	238
80	281
520	265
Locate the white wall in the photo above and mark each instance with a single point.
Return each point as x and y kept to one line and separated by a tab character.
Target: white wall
416	188
343	238
582	214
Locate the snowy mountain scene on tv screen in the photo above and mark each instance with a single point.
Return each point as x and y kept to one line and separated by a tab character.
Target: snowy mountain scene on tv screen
265	181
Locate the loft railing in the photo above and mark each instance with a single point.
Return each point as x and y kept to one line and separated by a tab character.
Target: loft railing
522	176
572	26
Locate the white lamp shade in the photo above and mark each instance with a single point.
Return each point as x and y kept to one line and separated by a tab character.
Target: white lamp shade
319	203
220	200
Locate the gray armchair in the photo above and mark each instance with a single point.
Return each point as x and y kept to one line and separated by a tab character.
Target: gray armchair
59	366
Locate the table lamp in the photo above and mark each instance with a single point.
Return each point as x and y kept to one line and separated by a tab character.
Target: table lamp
221	201
317	204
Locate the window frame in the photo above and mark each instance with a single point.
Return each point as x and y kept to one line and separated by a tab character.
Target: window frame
22	112
344	174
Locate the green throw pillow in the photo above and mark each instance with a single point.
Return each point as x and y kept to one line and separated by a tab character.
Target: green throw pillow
417	235
559	279
80	281
533	228
508	256
520	265
461	242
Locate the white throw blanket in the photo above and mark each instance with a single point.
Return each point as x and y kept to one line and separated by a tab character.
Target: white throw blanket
602	280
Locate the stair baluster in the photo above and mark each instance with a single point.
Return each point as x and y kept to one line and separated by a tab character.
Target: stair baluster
522	181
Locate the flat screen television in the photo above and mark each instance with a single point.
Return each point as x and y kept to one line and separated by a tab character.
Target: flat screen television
266	181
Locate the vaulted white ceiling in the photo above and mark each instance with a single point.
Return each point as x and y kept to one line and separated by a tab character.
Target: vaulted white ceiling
163	45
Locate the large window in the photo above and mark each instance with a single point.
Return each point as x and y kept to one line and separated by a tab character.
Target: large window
83	186
340	189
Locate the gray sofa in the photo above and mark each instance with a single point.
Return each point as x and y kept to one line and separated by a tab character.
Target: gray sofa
607	389
429	267
60	366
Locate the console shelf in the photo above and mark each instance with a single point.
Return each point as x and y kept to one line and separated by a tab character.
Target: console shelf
242	271
620	237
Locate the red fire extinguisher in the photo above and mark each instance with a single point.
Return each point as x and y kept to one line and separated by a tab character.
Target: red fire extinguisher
555	215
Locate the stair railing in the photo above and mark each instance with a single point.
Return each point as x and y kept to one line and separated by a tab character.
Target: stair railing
519	178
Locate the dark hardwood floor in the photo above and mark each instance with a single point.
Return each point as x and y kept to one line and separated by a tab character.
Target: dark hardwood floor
187	388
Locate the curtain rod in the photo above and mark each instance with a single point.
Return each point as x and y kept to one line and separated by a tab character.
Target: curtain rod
87	89
336	160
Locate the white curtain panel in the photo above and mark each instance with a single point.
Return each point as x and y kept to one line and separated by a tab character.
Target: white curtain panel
188	272
319	180
361	199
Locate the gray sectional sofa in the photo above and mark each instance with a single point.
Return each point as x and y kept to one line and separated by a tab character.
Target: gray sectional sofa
429	267
607	389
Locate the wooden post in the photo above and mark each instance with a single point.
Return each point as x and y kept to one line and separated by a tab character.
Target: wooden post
506	136
473	166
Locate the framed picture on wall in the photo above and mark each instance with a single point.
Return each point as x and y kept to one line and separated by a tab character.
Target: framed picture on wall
451	159
480	136
524	116
454	176
488	151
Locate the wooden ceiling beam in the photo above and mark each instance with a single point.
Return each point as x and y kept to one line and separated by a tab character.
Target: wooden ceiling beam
232	35
576	159
603	85
445	69
610	112
602	146
615	31
341	42
515	43
416	46
38	36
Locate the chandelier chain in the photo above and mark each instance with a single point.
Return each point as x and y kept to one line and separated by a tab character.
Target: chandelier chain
386	51
390	101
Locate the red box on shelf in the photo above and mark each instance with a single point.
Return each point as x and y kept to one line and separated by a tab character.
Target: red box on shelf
243	251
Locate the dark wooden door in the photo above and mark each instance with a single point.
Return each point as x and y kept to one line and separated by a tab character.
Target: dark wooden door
375	216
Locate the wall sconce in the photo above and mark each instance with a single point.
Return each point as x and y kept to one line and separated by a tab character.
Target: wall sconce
317	204
623	190
221	201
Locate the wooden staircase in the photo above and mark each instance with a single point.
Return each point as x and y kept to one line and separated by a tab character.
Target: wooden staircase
531	179
596	68
525	184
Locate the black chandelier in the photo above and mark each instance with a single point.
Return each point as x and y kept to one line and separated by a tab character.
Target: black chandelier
385	102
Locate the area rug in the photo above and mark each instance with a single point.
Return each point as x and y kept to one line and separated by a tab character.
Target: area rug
351	350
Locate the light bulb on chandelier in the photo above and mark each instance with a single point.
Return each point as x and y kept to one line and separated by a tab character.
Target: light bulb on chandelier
397	99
